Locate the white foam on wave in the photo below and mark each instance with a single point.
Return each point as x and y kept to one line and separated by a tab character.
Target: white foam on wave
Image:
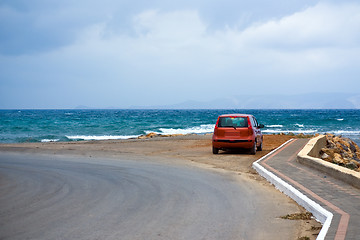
274	126
105	137
313	131
346	132
299	125
340	119
310	131
49	140
202	129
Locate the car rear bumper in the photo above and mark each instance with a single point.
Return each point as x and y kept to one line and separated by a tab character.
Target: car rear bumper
232	143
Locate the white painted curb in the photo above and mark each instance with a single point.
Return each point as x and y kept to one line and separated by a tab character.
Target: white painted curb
320	213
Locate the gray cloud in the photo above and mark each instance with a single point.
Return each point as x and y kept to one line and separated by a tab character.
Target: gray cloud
154	53
30	27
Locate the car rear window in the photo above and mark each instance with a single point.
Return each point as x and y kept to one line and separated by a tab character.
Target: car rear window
233	122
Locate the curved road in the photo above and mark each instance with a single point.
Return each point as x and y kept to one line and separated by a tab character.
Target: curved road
52	197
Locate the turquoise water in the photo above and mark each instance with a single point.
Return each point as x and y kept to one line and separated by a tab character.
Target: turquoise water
76	125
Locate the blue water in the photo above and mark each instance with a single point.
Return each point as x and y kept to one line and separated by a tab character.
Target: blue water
76	125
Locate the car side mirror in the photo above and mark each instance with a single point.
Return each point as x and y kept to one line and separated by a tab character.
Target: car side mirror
261	126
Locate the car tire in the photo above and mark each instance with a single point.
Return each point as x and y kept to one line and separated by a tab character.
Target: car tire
253	149
215	150
260	148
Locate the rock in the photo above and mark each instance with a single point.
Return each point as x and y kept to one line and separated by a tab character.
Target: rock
326	157
341	146
346	154
357	163
345	143
175	135
330	141
330	151
346	160
351	165
331	144
151	135
329	135
338	159
352	147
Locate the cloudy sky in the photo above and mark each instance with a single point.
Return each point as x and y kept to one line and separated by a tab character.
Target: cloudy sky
121	53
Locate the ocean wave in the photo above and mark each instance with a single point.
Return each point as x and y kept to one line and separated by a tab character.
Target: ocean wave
49	140
346	132
104	137
299	125
274	126
313	131
310	131
340	119
202	129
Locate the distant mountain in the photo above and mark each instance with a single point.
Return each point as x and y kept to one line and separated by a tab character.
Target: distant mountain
272	101
82	107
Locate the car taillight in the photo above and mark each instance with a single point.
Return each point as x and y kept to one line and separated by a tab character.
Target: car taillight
217	122
250	130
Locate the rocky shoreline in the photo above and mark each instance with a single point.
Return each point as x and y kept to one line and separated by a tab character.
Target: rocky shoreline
153	135
341	151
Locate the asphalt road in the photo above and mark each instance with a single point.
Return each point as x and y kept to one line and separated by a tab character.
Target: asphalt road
54	197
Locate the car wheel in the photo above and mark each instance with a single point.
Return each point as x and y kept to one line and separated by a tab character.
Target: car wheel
215	150
259	148
253	149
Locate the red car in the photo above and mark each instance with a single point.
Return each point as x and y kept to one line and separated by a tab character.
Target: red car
237	131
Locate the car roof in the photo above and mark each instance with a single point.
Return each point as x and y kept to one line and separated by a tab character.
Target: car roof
236	115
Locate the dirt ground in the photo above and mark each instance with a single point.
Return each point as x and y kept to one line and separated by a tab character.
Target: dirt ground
195	149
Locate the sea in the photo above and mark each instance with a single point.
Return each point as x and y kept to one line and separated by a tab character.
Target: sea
18	126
